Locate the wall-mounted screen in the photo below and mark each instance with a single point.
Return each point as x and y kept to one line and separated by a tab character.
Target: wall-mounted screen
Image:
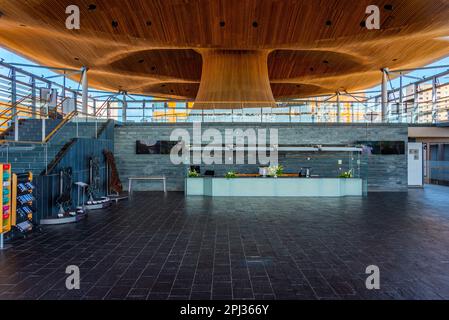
158	147
384	147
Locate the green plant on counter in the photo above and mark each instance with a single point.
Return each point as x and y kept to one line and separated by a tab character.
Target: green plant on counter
193	174
230	175
279	170
346	175
276	171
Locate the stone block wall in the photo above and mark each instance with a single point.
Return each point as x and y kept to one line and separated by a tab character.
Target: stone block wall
384	172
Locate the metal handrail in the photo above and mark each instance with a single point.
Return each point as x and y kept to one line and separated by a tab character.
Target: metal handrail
9	119
60	125
15	104
102	107
60	103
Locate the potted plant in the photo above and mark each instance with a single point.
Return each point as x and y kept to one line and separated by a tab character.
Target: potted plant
193	174
275	171
230	175
346	175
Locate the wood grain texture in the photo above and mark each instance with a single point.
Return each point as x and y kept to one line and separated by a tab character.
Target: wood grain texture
233	76
315	46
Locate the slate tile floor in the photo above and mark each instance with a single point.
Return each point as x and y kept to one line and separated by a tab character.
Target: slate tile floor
169	247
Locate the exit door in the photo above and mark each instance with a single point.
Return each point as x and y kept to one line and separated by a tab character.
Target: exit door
415	165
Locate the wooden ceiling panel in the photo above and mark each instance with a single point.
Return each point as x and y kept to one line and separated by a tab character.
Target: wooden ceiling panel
296	90
138	45
288	64
173	90
177	64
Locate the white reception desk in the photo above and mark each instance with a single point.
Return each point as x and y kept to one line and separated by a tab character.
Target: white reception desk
273	187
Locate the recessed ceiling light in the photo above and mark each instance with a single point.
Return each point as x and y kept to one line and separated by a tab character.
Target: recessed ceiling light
114	24
222	24
77	59
23	25
388	7
255	24
395	59
92	7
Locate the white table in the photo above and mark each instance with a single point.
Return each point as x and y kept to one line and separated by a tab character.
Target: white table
161	178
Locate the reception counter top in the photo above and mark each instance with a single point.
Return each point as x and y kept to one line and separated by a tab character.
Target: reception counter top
273	187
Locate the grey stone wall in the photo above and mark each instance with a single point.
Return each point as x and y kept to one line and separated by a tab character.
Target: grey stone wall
384	172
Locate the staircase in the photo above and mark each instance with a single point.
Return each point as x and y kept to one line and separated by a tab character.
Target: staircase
33	155
30	130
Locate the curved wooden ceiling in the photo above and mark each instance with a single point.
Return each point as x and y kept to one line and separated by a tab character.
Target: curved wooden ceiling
154	47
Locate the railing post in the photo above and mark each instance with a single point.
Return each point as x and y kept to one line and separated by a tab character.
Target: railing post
33	97
75	100
44	134
15	116
338	107
352	113
46	158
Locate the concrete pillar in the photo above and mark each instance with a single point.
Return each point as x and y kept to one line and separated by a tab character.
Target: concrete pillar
384	95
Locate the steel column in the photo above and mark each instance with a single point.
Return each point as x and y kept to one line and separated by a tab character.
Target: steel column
415	115
384	96
33	97
401	98
434	100
124	107
64	85
85	88
108	110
